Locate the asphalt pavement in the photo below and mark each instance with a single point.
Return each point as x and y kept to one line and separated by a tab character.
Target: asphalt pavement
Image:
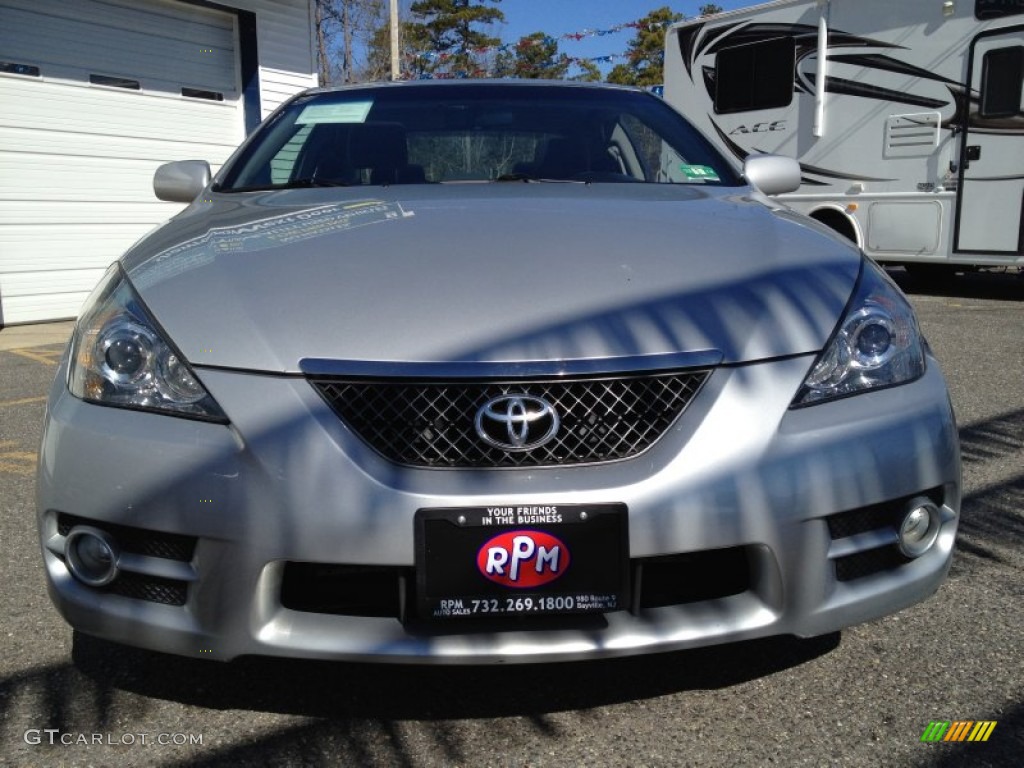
860	698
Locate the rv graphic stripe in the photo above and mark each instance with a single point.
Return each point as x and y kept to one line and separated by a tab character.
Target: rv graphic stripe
805	36
688	47
888	64
850	88
833	175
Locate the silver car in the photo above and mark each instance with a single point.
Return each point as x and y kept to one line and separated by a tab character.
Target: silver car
471	372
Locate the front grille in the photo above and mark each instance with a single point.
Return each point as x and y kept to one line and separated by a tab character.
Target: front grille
692	577
366	590
875	517
348	590
153	589
884	517
868	563
432	424
149	544
139	541
855	521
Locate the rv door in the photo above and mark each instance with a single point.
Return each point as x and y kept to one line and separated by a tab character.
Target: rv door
990	203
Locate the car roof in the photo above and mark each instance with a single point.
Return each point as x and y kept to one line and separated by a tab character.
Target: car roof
470	82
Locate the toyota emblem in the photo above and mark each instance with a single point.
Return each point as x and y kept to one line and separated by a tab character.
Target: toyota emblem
516	422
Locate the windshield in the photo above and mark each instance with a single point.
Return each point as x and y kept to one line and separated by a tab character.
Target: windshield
456	133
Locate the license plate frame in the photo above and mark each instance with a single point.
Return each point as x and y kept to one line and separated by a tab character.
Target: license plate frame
451	563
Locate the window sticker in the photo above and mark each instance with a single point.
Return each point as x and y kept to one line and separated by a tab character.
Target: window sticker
699	172
349	112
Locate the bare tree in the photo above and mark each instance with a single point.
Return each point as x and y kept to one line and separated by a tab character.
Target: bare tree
344	29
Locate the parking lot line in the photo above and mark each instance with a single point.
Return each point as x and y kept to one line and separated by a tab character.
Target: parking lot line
47	358
22	401
16	462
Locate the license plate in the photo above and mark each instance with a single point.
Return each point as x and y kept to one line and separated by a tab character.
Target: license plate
521	560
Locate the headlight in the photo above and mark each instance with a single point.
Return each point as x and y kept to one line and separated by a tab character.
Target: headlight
120	357
877	344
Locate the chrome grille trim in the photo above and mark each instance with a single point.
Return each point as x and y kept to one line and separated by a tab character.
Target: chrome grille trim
430	424
598	366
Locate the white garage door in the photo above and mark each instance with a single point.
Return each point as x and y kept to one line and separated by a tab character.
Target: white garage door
94	95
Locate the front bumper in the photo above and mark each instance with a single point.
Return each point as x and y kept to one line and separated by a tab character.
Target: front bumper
804	500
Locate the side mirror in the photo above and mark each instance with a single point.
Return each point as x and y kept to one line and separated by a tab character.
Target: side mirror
772	174
181	182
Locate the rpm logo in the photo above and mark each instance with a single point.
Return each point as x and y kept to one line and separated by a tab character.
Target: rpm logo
523	559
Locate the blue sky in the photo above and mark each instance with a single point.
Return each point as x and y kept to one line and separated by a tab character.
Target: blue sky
561	17
569	17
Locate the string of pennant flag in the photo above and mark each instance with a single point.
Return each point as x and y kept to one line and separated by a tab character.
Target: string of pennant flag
484	72
440	57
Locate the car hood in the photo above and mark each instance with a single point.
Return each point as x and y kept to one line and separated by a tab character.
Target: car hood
499	272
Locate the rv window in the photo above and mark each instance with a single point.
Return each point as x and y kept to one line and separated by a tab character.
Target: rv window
1002	76
755	76
994	9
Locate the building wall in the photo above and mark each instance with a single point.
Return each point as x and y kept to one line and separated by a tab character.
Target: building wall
78	151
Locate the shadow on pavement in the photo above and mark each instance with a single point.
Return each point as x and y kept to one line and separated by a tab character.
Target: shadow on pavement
370	691
1001	286
994	753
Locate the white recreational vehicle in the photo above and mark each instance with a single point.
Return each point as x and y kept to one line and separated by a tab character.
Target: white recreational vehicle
905	115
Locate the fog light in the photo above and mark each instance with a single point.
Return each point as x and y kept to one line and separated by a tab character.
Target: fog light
91	556
920	527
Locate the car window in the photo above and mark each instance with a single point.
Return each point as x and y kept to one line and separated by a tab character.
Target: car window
428	134
282	165
484	155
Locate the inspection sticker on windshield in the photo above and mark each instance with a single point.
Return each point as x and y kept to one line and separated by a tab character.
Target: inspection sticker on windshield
516	560
699	172
349	112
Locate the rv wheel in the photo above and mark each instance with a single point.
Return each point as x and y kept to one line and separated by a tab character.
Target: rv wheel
837	221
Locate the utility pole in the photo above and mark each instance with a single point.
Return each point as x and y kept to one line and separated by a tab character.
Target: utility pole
396	71
323	68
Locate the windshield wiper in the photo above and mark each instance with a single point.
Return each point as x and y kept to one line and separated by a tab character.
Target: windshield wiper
293	184
527	178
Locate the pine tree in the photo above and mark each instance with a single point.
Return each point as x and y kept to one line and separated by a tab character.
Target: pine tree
589	71
646	52
448	28
535	57
412	44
